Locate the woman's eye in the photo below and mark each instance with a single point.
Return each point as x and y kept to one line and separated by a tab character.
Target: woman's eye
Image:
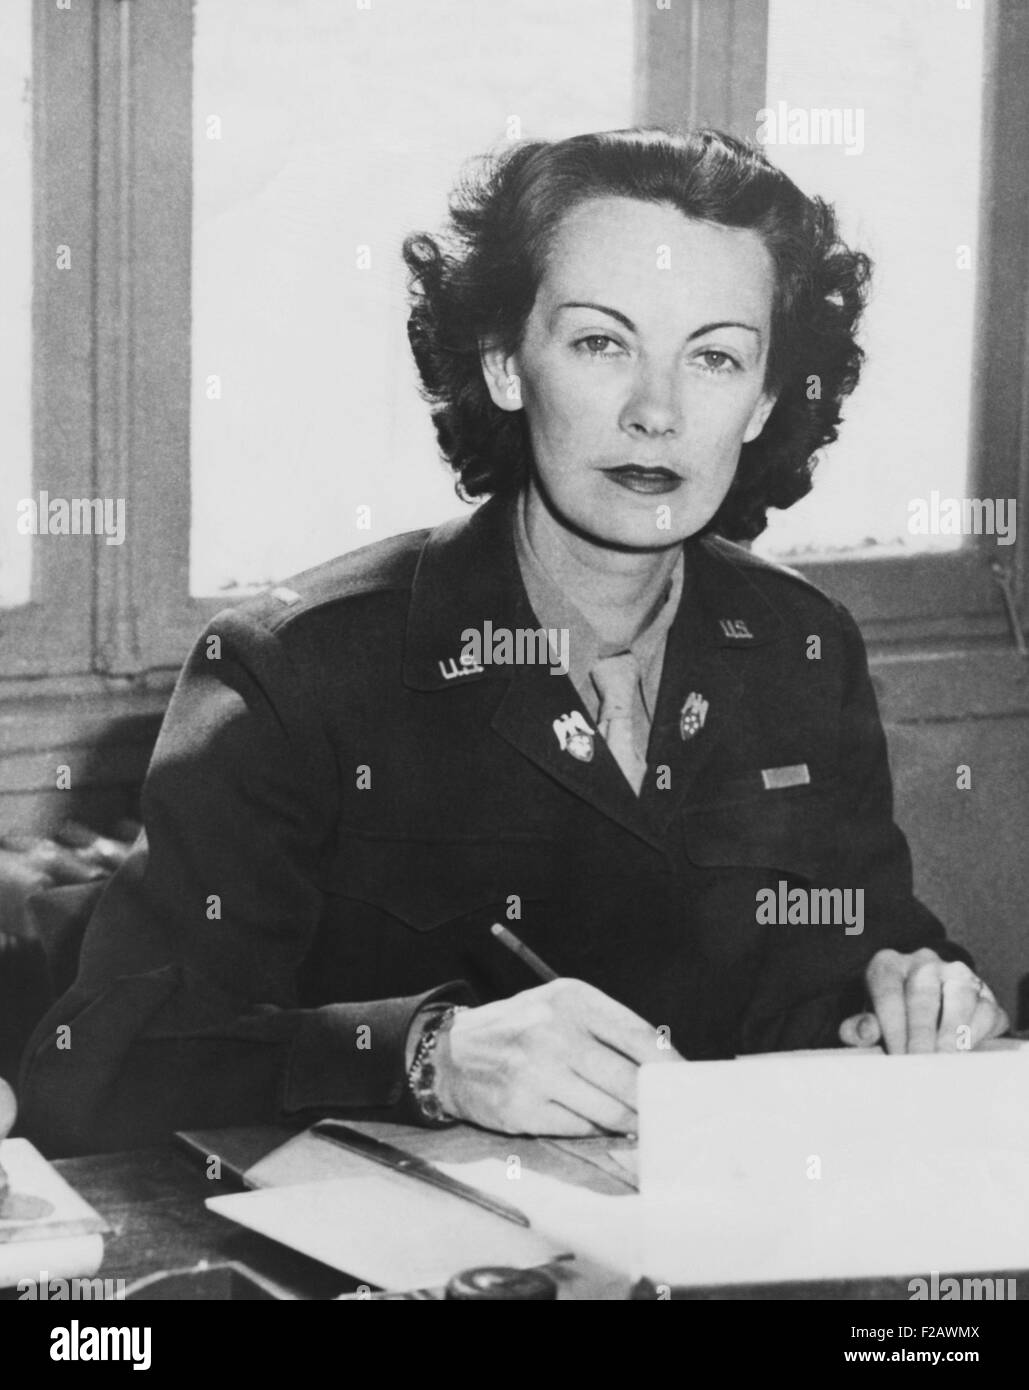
716	361
597	345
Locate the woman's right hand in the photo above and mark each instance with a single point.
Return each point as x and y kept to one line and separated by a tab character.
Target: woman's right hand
559	1059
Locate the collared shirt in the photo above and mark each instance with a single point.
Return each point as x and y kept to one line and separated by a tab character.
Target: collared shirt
554	609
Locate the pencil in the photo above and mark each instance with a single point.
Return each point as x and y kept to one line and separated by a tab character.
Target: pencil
538	967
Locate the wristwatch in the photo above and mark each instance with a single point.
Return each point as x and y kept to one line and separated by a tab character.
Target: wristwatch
421	1076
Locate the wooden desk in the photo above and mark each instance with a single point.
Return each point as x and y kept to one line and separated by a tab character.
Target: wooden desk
154	1201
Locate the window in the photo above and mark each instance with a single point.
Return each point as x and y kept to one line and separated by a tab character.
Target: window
16	297
723	65
46	612
322	134
902	88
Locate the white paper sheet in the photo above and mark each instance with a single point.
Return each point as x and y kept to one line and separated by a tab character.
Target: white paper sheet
821	1168
602	1231
390	1231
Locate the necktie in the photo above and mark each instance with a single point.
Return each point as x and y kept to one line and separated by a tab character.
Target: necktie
617	679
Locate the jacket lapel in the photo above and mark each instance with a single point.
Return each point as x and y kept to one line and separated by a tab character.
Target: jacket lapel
710	674
534	703
721	619
468	574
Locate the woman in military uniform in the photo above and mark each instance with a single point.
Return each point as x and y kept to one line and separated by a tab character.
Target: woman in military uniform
633	344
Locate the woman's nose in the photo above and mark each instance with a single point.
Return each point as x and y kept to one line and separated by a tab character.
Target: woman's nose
654	406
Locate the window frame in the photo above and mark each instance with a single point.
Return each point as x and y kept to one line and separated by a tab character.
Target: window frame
953	596
145	207
52	633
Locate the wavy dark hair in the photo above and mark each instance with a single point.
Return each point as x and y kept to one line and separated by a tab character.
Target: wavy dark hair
478	282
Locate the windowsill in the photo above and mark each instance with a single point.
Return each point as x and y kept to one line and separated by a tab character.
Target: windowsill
921	685
114	721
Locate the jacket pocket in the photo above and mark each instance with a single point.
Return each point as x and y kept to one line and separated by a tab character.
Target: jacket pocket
794	830
426	883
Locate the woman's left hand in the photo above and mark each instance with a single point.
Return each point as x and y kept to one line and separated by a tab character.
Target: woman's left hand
920	1003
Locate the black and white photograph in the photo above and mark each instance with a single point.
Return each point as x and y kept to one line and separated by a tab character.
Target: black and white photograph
514	669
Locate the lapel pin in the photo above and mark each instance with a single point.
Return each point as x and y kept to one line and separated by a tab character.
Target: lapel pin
735	627
575	736
692	715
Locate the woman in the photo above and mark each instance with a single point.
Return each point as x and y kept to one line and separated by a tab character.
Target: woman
581	712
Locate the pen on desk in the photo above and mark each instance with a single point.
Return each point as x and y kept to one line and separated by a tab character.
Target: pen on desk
519	948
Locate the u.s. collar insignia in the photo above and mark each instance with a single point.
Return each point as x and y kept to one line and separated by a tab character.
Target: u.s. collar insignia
735	627
464	666
575	736
692	715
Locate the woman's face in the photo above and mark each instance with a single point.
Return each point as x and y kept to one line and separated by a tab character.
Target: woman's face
642	369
